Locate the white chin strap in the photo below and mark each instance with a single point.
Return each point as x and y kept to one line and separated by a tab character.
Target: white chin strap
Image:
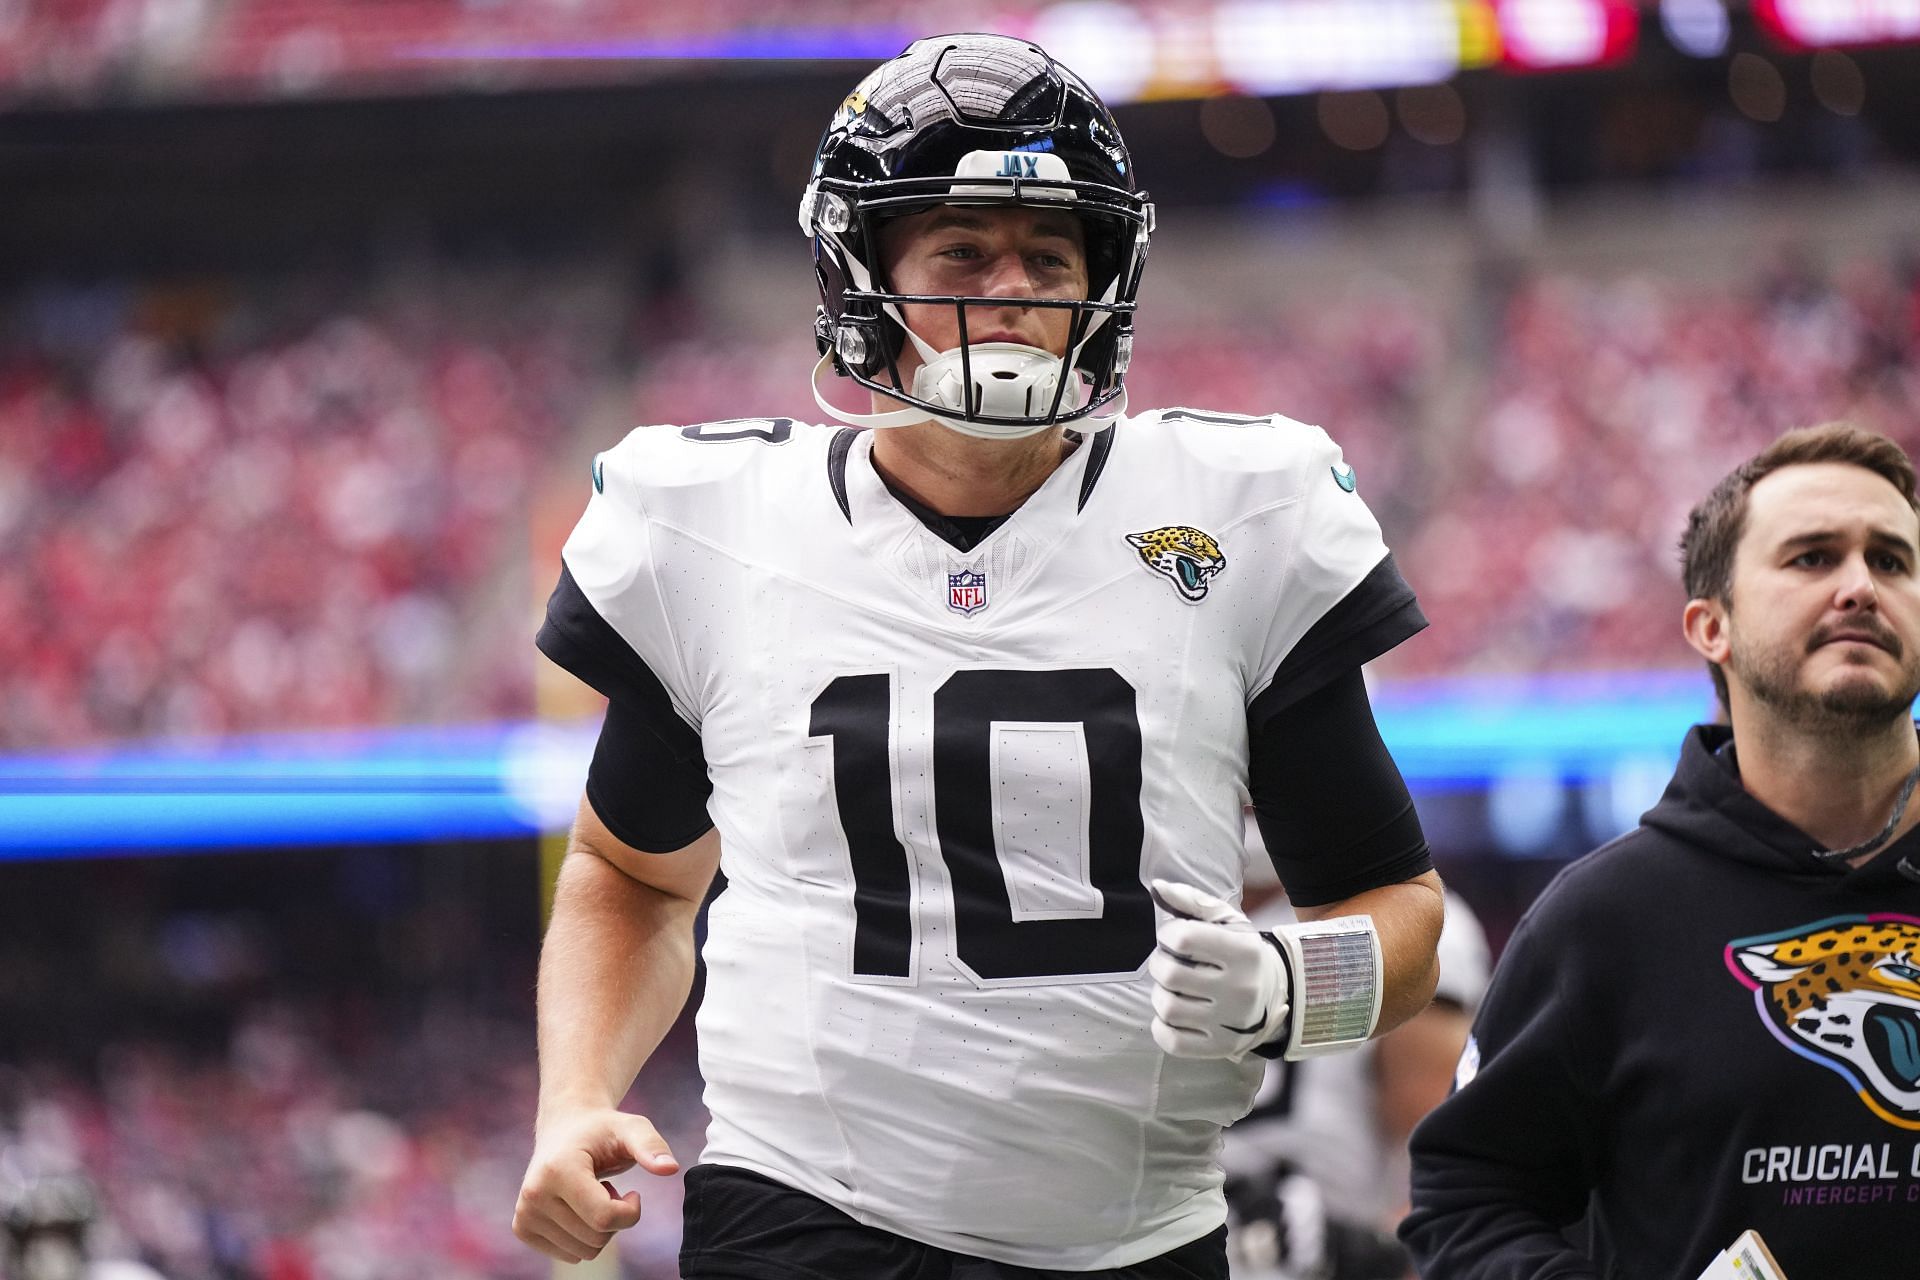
1009	380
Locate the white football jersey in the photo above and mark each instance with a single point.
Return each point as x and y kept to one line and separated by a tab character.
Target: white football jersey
941	781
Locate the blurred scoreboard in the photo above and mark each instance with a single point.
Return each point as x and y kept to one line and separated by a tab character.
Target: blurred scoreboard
159	50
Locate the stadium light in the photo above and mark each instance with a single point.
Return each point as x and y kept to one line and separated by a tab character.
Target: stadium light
1269	49
1113	42
1698	28
1827	24
1551	35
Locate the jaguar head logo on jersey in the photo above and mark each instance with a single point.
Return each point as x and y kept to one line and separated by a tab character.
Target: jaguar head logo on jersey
1845	993
966	592
1189	557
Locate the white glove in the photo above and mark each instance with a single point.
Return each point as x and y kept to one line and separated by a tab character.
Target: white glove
1220	988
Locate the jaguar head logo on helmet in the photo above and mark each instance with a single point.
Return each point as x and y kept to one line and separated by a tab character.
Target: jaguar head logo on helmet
974	121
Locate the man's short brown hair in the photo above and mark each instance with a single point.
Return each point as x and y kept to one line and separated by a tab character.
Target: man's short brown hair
1714	527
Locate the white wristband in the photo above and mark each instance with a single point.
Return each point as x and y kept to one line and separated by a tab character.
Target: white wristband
1336	980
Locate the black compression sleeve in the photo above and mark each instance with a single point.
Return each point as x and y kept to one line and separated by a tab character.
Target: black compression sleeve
648	781
649	794
1332	807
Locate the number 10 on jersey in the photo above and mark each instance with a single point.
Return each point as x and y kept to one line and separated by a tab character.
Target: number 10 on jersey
856	713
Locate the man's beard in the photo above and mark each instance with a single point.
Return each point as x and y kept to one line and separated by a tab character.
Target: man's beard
1772	676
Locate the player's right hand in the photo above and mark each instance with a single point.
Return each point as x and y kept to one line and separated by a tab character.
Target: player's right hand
1220	988
565	1210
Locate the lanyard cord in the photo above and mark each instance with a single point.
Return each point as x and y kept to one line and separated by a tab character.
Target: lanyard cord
1883	835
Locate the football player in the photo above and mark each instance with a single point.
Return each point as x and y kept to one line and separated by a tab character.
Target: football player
962	696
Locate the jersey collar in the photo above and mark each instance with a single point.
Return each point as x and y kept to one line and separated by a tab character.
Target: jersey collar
840	450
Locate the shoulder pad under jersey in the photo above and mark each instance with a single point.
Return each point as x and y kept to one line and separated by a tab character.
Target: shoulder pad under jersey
1239	442
669	457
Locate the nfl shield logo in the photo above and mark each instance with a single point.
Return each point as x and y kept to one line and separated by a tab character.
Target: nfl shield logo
966	592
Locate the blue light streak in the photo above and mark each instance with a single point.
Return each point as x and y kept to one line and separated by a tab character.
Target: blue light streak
518	779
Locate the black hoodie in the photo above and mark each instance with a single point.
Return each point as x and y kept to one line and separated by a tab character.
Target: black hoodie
1699	1028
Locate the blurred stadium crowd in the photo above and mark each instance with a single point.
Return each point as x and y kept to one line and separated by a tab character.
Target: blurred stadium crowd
231	509
214	522
1606	410
306	1150
292	1065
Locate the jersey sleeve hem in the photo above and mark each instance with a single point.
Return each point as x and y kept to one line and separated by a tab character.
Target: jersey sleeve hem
1378	614
577	638
642	736
667	837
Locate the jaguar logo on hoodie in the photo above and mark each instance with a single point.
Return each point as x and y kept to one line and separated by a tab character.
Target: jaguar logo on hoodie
1845	992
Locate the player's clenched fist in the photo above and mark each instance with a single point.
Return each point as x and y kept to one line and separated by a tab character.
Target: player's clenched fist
1220	988
565	1210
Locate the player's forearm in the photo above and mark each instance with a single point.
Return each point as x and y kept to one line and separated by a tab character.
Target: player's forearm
615	970
1407	916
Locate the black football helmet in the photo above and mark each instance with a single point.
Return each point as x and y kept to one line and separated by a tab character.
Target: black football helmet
973	120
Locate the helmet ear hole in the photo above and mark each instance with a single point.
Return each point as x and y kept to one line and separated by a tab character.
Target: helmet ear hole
856	344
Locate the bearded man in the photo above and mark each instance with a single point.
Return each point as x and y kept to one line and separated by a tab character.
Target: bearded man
1713	1023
